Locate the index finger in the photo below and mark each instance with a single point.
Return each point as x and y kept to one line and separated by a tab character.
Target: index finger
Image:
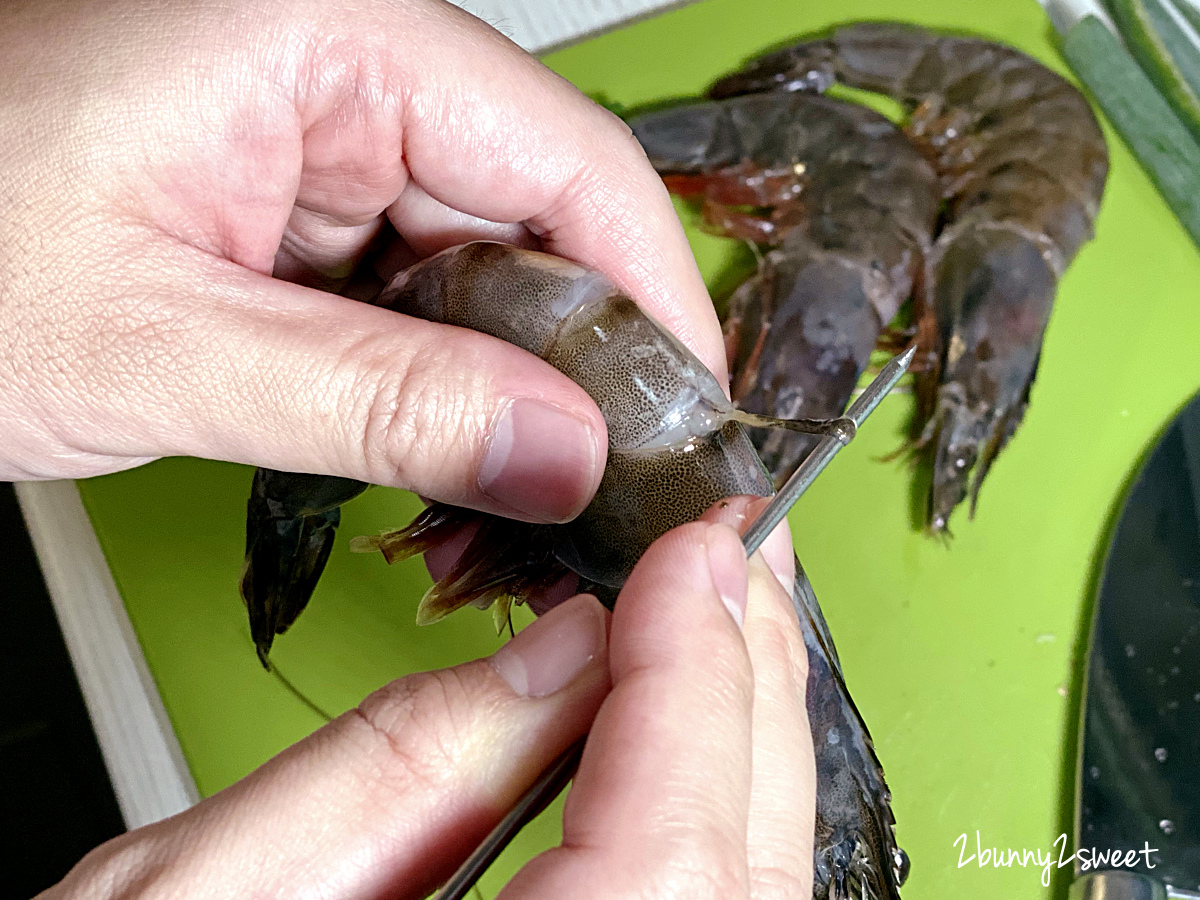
487	130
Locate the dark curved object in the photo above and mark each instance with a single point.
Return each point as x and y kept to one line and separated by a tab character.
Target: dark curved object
291	520
1139	773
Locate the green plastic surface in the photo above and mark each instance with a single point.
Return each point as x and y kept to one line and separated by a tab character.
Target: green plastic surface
965	658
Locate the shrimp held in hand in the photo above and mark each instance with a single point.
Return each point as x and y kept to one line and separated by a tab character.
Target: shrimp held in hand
676	445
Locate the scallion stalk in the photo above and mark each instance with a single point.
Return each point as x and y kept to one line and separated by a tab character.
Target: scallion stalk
1155	134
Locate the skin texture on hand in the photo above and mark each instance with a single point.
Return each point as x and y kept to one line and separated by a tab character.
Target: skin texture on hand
162	161
696	782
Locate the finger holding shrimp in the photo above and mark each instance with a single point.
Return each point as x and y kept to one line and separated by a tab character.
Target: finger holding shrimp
386	800
782	795
528	156
672	792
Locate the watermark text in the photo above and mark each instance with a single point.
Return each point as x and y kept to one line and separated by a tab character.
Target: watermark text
1087	857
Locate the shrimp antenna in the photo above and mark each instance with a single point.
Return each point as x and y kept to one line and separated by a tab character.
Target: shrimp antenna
298	694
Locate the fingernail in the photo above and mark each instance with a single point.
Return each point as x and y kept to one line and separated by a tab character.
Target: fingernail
776	550
551	652
727	566
540	461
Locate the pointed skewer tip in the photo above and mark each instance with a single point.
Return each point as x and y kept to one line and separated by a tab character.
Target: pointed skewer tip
824	452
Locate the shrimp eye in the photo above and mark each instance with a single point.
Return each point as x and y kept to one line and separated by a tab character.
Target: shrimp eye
900	859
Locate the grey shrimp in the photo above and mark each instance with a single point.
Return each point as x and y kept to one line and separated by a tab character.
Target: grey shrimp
1022	165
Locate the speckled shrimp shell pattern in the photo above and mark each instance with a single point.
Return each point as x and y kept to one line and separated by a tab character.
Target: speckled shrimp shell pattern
1022	165
675	447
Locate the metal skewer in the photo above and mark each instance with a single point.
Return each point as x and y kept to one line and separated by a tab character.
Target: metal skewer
555	778
815	463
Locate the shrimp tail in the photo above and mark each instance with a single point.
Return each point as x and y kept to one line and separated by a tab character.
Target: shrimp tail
872	56
801	333
807	67
291	521
855	851
431	528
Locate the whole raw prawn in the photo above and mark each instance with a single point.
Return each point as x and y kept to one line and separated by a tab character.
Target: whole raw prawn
676	445
1022	165
847	206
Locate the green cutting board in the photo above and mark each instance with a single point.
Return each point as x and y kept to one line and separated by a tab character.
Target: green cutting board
964	657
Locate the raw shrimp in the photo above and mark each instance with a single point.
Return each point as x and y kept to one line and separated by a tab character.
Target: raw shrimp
676	445
847	205
1022	165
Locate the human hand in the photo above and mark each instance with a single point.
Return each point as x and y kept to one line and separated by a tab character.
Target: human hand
697	780
162	161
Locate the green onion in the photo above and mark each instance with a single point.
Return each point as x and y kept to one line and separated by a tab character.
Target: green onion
1165	148
1191	12
1166	46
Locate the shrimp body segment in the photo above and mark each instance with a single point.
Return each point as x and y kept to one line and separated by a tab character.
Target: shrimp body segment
1022	165
670	426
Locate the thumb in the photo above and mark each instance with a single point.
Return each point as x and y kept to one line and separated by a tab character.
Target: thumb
226	363
388	799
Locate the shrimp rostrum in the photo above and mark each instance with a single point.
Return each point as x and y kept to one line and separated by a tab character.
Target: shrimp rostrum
676	446
1022	164
846	205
